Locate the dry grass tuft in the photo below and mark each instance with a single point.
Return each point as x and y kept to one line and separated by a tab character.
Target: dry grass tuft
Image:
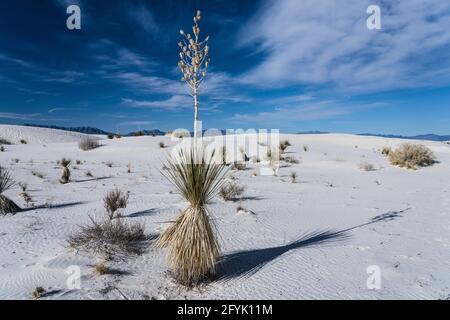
114	201
386	151
162	145
23	141
38	293
65	165
231	191
88	143
192	246
293	175
110	238
412	156
366	166
101	269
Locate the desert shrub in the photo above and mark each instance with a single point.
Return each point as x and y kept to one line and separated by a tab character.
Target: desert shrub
109	164
193	250
162	145
139	134
114	201
89	174
386	151
231	191
110	136
65	165
291	159
412	156
23	141
23	186
284	145
6	182
88	143
37	174
2	149
293	176
4	141
101	269
38	293
366	166
239	166
305	148
16	160
78	162
110	238
129	167
245	158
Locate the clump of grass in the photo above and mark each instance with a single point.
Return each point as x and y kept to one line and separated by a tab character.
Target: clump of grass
231	191
6	182
110	136
5	142
110	238
240	166
129	167
38	293
386	151
79	162
37	174
191	242
23	141
284	145
305	148
109	164
2	149
16	160
291	160
245	158
366	166
161	145
89	174
293	176
114	201
412	156
101	269
24	194
88	143
65	165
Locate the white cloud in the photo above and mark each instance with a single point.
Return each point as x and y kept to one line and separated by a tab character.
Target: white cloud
141	15
173	103
326	42
27	116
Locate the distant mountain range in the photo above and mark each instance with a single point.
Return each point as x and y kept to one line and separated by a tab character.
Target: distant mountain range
156	132
430	137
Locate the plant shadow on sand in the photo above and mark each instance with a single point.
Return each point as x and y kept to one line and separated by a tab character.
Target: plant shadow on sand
53	206
247	263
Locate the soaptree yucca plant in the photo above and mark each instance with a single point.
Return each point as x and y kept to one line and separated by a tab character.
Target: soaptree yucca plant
191	241
6	182
194	62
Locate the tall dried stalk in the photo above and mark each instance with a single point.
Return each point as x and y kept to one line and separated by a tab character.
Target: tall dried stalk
194	62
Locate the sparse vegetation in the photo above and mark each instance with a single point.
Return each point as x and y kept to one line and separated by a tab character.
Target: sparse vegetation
37	174
110	136
293	176
101	269
23	141
386	151
89	174
305	148
291	160
16	160
114	201
109	164
162	145
78	162
366	166
65	165
110	238
284	145
88	143
191	242
5	142
6	182
231	191
129	167
412	156
38	293
2	149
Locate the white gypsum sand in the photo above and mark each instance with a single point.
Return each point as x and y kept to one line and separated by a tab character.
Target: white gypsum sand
306	240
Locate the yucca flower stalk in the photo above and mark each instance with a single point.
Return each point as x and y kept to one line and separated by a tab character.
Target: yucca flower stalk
6	182
192	246
194	62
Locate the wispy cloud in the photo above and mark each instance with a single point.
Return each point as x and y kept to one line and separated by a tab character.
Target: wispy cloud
143	17
136	123
54	110
173	103
326	42
28	116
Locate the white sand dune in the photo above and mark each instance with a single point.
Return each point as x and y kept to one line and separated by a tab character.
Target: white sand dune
313	239
14	134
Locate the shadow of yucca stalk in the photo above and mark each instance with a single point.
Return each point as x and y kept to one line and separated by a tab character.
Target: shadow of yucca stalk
191	242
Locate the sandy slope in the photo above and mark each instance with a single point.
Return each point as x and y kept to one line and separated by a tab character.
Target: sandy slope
309	240
14	134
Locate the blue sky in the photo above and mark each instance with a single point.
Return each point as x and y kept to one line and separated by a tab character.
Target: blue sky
293	65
